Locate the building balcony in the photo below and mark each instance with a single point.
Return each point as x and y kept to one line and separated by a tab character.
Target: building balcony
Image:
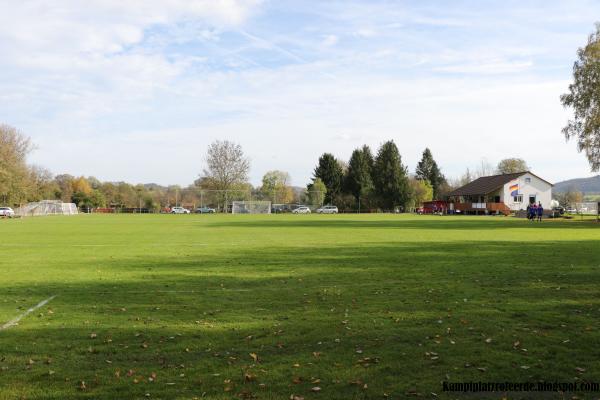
482	208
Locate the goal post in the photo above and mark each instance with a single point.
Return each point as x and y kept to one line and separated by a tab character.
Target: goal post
251	207
47	207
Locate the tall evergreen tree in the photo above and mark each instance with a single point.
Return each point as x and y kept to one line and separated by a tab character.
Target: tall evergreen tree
359	181
390	177
427	169
330	172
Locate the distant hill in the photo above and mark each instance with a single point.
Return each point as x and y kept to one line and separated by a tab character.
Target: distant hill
585	185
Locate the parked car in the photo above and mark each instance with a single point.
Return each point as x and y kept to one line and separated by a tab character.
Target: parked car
301	210
205	210
179	210
559	210
328	210
6	212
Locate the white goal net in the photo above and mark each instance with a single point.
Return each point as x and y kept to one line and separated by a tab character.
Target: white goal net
251	207
47	207
587	208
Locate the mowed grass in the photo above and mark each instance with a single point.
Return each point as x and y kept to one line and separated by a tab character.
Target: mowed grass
362	307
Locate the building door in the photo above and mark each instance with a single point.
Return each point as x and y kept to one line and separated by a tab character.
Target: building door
497	199
532	199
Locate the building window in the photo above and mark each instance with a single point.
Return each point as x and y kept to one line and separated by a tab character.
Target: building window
518	198
527	180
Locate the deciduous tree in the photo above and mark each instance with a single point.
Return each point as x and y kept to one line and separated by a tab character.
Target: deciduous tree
14	172
584	97
226	169
316	192
511	166
421	191
276	186
226	164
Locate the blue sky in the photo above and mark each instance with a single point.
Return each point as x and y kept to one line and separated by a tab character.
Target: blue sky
136	90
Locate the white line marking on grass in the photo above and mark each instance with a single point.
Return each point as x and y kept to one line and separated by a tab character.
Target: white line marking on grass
16	320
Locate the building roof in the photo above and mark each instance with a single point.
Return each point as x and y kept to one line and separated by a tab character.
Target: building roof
488	184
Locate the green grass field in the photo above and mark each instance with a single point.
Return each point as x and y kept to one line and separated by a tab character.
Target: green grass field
360	307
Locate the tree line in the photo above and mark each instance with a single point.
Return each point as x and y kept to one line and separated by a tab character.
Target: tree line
225	178
366	181
378	181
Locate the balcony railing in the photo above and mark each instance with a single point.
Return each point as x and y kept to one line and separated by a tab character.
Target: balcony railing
482	207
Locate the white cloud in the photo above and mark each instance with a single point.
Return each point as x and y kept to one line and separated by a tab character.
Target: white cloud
487	67
366	33
330	40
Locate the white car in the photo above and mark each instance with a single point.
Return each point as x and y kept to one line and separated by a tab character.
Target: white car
301	210
179	210
328	210
6	212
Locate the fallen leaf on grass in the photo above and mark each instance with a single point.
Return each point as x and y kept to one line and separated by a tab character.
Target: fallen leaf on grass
315	389
254	356
93	336
579	369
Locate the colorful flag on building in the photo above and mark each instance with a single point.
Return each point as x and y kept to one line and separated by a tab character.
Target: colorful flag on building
514	189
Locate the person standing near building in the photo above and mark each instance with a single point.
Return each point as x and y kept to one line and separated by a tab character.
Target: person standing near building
540	212
533	210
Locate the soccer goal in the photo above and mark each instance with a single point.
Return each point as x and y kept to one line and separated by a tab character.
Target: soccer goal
589	208
251	207
47	207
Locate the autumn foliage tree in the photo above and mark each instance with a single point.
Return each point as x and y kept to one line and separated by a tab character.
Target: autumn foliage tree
14	172
276	186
